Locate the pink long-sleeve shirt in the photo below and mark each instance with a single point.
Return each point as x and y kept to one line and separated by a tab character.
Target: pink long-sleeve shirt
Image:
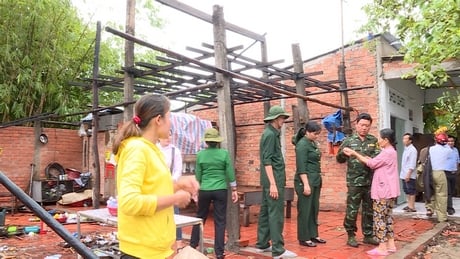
385	183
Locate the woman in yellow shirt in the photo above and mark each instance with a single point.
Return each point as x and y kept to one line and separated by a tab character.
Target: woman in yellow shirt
146	192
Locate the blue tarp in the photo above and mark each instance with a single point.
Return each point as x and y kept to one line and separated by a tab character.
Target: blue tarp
333	125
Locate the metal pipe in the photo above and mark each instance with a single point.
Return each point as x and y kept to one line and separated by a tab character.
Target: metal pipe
46	217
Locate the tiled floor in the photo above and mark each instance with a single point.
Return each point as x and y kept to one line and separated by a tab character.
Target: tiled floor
407	228
421	211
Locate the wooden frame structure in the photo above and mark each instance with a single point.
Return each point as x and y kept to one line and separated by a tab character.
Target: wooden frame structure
193	80
230	81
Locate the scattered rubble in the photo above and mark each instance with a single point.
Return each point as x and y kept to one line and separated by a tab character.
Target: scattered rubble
444	245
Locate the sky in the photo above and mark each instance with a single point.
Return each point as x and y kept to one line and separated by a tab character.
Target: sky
313	24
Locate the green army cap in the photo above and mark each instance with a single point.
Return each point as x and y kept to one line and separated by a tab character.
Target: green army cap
275	112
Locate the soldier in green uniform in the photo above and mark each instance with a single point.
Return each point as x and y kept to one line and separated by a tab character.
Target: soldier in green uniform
359	178
307	183
273	180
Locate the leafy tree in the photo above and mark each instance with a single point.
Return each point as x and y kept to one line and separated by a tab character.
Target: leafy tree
443	113
43	46
429	32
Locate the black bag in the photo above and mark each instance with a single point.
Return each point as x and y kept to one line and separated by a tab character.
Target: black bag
428	178
419	186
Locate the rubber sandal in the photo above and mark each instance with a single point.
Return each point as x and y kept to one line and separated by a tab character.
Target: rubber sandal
375	251
391	250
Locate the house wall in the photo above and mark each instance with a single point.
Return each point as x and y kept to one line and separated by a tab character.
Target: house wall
360	71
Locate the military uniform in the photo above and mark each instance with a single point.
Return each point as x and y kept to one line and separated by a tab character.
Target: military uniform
308	158
271	218
359	179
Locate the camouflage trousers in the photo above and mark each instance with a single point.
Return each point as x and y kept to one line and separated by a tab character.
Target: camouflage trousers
356	196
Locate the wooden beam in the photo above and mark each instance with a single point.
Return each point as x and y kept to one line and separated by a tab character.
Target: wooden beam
207	18
220	70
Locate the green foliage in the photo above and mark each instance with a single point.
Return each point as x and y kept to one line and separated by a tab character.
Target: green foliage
450	105
443	113
428	30
430	34
43	46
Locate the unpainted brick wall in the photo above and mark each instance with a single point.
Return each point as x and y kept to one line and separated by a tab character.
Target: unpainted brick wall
19	146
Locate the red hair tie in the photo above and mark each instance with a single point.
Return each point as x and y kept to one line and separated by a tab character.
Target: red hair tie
137	120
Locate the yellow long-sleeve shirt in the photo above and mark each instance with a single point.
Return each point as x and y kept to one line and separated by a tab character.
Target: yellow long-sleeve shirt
142	176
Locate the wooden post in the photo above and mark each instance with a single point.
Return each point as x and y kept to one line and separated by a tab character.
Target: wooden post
344	100
226	121
346	124
95	127
302	108
263	49
128	87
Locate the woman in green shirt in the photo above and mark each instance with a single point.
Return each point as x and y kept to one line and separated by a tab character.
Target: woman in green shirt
307	183
214	171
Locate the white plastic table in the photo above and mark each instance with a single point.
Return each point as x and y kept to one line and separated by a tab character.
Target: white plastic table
103	215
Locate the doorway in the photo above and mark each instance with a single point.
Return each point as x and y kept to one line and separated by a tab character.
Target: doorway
397	125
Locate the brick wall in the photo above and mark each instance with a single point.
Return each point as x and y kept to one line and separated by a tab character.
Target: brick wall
360	71
20	147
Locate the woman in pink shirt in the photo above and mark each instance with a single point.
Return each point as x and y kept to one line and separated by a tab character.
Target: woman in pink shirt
384	189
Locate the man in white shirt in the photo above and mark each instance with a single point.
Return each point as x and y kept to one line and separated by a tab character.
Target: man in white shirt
408	173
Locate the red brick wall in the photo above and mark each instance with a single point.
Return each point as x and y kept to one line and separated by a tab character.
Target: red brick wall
19	146
360	71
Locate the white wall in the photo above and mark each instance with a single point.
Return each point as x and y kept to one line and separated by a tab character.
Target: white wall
407	97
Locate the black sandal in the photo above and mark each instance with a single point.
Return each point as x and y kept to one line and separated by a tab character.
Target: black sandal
318	240
429	212
307	243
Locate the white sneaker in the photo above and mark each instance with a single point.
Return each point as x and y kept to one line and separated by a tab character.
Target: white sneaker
286	254
265	250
